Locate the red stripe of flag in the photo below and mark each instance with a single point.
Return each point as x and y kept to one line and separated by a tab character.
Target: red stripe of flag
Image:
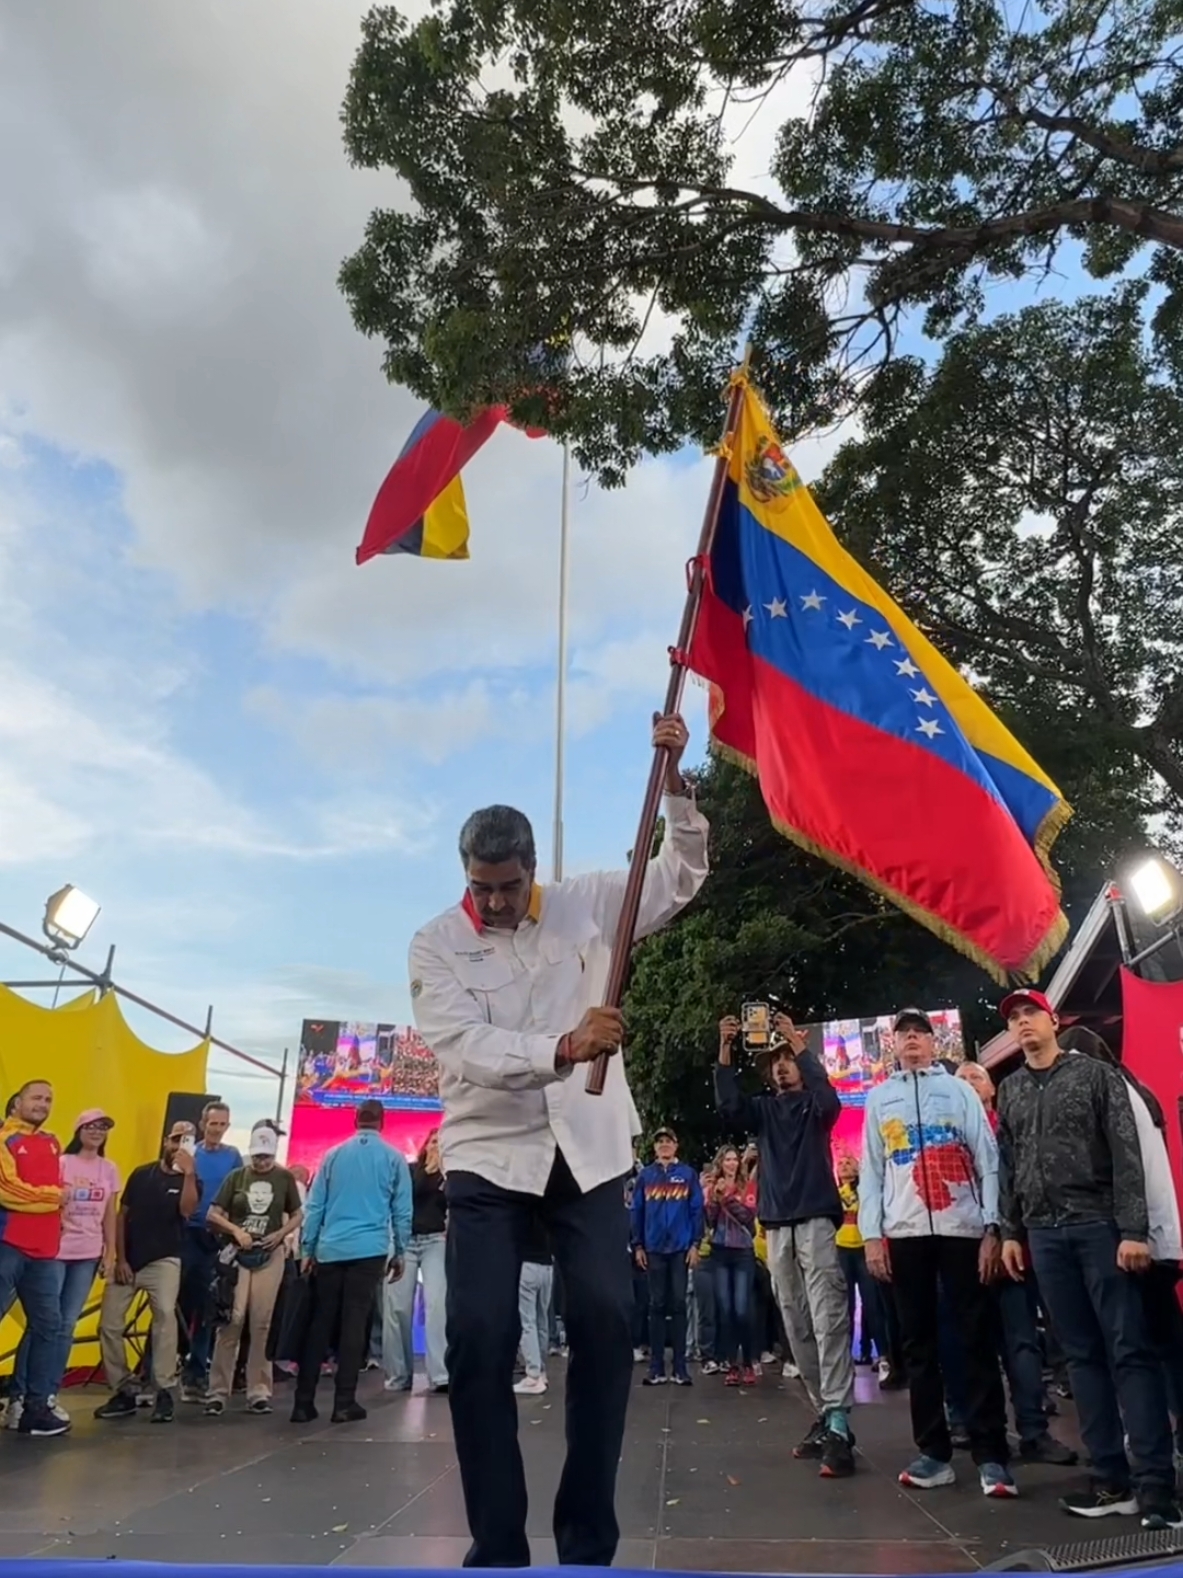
420	475
877	804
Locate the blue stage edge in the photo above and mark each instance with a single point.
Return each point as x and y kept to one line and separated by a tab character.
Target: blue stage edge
84	1569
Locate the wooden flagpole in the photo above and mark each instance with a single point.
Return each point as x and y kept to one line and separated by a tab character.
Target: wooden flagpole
626	926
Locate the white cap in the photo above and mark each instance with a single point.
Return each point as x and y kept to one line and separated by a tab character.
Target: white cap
264	1142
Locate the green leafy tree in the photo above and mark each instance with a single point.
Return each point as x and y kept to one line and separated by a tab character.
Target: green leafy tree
1024	498
569	168
772	920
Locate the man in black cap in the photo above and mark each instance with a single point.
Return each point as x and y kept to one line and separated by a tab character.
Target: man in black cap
928	1213
667	1221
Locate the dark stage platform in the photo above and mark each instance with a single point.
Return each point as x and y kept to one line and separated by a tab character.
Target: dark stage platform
707	1482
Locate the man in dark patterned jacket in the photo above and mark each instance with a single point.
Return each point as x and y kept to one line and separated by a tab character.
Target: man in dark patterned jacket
1073	1199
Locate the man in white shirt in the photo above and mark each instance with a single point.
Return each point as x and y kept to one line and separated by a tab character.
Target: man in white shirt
506	987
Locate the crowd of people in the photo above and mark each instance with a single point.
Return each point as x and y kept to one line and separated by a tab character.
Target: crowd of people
249	1272
984	1238
986	1242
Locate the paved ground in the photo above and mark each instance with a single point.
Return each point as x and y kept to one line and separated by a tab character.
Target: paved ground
707	1482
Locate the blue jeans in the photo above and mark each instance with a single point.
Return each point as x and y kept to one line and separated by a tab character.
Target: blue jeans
1022	1357
424	1258
534	1288
1097	1313
35	1284
199	1254
733	1272
75	1278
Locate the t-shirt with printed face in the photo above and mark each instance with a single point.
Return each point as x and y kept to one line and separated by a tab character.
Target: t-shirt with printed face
258	1202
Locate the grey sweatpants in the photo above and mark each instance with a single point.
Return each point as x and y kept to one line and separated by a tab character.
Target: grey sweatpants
811	1291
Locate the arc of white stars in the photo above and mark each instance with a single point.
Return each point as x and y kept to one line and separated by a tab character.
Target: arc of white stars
929	727
777	609
814	600
879	639
849	620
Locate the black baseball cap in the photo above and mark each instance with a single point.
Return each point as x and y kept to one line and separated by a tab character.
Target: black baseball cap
913	1016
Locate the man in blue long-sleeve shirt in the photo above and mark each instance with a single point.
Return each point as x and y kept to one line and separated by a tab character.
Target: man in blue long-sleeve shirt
667	1218
357	1222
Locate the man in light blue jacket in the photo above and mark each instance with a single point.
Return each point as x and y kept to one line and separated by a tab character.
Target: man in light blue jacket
357	1221
928	1213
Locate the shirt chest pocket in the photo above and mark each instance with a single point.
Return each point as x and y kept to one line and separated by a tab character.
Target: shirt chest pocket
560	980
500	992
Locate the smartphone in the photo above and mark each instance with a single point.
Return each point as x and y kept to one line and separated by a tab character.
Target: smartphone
188	1143
756	1023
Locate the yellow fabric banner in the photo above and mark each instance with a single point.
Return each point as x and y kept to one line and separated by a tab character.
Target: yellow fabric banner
92	1058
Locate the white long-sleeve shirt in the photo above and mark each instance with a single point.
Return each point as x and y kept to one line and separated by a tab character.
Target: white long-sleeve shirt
1162	1208
492	1005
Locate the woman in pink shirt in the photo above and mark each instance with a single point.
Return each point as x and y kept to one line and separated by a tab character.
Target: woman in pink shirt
88	1242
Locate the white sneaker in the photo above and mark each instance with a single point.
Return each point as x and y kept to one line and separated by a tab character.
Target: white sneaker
790	1371
531	1386
884	1369
768	1358
57	1410
639	1355
12	1414
391	1385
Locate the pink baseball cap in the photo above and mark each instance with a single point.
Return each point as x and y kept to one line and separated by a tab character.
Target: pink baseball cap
94	1115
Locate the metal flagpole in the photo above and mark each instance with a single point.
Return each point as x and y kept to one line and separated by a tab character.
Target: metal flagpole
561	686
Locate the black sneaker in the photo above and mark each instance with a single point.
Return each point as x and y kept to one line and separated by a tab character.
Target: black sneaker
214	1408
165	1411
812	1443
959	1438
1101	1501
121	1406
258	1405
654	1378
1046	1449
837	1456
304	1413
682	1380
40	1422
1155	1514
348	1414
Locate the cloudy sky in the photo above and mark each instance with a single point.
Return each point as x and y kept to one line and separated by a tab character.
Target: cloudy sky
254	754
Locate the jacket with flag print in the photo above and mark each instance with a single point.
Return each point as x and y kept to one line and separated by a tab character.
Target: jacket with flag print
30	1190
930	1162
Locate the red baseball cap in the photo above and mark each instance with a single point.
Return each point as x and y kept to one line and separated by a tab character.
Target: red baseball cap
1025	995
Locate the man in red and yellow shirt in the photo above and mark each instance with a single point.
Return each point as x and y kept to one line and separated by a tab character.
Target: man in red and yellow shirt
31	1197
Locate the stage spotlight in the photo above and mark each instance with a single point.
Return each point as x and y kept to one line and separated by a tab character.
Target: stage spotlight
69	915
1157	889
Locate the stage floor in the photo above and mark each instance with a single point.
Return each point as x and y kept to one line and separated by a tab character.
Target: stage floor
707	1482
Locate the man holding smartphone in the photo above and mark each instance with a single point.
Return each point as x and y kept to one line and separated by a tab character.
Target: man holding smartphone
149	1232
799	1206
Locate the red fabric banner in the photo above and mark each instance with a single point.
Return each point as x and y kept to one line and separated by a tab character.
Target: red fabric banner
1152	1050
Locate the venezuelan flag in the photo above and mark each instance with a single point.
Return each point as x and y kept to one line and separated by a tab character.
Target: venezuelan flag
871	750
422	499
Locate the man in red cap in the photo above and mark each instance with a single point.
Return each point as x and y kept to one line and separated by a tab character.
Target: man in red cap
1073	1206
